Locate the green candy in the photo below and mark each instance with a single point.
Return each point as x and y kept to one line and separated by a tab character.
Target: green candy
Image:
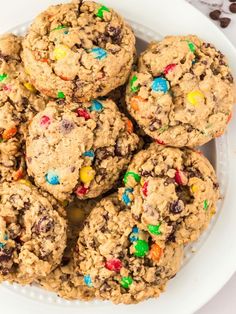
141	248
3	77
133	88
60	95
205	204
191	46
154	229
126	282
58	28
101	10
136	176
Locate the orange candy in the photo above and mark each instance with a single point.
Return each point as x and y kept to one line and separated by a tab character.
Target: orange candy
229	117
134	102
7	134
156	252
18	175
129	126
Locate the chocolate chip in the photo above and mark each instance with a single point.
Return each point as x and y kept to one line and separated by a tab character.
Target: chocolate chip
232	8
6	254
229	77
66	126
176	207
44	225
224	22
214	15
115	34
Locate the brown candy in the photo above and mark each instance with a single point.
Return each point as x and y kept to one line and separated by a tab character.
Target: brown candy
224	22
214	15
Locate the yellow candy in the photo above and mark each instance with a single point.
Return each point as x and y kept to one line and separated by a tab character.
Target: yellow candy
86	174
142	181
212	212
194	188
60	52
195	97
25	182
30	87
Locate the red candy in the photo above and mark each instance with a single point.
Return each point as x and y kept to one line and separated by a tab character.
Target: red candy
169	68
82	190
179	177
45	121
144	188
114	265
83	113
160	142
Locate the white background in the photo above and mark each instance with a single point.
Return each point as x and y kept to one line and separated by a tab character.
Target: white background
13	12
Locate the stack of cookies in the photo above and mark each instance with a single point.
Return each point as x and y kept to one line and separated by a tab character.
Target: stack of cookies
101	186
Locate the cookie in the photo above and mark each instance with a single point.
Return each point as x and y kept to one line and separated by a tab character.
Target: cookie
119	261
32	233
63	280
182	92
171	192
18	103
79	50
79	148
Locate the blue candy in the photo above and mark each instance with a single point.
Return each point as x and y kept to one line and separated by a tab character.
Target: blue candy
160	84
135	230
125	196
52	178
3	244
89	153
96	106
134	235
88	280
99	53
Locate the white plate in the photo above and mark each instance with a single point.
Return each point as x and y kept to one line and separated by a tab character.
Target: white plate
207	270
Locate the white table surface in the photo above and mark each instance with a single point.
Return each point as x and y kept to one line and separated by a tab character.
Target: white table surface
20	11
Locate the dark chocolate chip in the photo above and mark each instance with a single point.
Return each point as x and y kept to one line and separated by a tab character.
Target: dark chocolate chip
66	126
176	207
224	22
214	15
6	254
44	225
232	8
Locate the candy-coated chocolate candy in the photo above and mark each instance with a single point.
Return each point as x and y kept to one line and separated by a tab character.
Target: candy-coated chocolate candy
89	153
86	174
60	95
45	121
180	178
96	106
154	229
155	252
125	196
25	182
169	68
160	84
191	46
133	237
136	176
114	264
129	126
99	53
160	142
88	280
101	10
58	28
81	190
126	282
18	174
229	117
195	98
205	204
194	188
83	113
3	240
134	102
9	133
141	248
7	88
3	77
52	178
144	188
30	87
60	52
134	88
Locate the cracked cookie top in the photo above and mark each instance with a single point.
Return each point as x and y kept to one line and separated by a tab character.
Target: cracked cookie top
182	91
79	148
171	192
32	233
119	261
79	50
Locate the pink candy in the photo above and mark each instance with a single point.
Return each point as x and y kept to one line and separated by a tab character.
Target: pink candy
45	121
